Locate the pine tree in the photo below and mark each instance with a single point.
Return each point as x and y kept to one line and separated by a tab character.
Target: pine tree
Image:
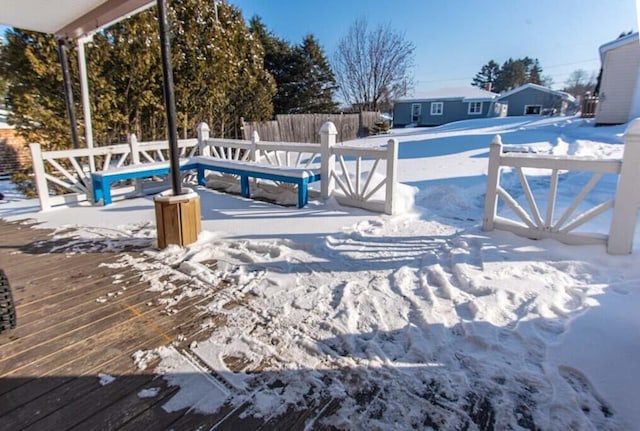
281	62
487	76
127	56
29	63
316	83
218	68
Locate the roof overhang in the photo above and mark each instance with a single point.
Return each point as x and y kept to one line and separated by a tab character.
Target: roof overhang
69	19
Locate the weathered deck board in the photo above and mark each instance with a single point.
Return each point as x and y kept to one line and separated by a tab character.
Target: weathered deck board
49	364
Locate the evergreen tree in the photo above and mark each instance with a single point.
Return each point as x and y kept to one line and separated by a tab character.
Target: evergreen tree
512	74
29	63
487	76
219	70
304	80
3	82
316	83
127	57
280	62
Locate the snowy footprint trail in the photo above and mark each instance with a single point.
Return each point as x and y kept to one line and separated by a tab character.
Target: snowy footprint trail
384	327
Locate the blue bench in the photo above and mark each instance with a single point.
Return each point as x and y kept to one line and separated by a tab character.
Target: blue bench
101	181
245	170
299	176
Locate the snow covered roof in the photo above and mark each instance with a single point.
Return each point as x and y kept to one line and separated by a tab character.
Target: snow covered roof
73	19
630	38
566	96
467	94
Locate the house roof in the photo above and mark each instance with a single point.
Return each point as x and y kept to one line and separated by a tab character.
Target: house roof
74	19
566	96
467	94
624	40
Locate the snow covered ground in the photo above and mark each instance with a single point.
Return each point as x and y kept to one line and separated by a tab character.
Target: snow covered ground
411	321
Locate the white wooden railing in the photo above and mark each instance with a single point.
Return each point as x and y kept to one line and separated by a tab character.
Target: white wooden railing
531	223
64	177
342	167
356	176
347	179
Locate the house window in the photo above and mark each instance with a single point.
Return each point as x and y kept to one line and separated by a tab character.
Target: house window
532	109
475	108
416	111
437	108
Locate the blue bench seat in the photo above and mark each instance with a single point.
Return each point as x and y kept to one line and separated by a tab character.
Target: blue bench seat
245	170
299	176
102	180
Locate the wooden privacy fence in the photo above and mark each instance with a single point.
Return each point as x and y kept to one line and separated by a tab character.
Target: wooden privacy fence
304	127
589	106
363	177
532	224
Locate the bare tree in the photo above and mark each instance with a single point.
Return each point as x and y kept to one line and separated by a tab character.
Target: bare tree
580	82
373	67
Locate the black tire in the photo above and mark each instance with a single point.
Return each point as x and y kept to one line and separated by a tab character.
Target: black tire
7	307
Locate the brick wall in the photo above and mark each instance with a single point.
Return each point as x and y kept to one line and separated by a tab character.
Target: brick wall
14	153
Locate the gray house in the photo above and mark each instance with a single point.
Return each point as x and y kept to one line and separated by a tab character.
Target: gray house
446	105
533	99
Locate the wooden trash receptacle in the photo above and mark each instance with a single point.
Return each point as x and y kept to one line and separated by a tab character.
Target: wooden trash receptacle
177	218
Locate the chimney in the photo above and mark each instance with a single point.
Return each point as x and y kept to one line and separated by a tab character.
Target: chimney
489	86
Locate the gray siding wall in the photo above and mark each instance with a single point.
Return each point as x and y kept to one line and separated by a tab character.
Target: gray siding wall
453	110
531	96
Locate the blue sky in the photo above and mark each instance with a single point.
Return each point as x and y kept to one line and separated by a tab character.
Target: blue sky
454	38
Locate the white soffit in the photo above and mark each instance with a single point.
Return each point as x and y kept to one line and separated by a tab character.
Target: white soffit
67	18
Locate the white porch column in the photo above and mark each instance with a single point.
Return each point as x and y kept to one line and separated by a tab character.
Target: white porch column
86	104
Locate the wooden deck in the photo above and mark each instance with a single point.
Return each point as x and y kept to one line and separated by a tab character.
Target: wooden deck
75	324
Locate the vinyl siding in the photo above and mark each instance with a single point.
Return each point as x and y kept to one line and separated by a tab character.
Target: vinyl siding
453	110
619	75
533	96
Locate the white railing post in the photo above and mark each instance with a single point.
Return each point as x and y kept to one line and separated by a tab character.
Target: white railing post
203	134
40	176
255	152
328	133
135	159
135	149
493	179
627	200
392	176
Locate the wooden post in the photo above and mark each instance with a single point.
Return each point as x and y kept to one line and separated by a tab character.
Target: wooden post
493	179
177	218
203	134
41	179
328	133
392	176
255	152
627	200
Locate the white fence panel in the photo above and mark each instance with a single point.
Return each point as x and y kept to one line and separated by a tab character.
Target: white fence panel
64	177
532	223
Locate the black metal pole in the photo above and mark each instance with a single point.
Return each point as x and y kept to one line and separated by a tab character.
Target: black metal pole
68	93
169	96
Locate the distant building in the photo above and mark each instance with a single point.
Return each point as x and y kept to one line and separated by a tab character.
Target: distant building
534	99
445	106
619	95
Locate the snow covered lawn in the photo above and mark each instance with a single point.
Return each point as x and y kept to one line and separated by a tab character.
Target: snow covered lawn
413	321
